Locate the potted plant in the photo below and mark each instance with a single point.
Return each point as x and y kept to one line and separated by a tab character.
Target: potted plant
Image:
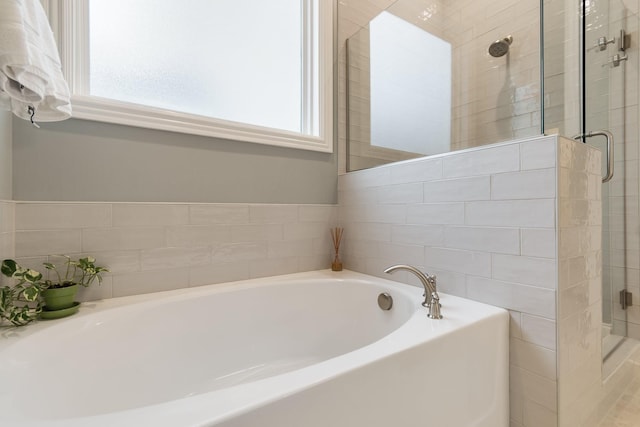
59	292
20	304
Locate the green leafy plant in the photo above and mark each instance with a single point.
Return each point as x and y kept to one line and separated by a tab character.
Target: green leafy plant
82	272
20	303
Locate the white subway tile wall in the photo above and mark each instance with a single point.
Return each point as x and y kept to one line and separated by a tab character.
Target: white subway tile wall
486	225
580	287
156	247
496	244
7	224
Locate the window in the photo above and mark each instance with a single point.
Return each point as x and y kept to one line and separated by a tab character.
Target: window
408	111
249	70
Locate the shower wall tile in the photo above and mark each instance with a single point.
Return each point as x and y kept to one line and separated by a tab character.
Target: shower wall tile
434	213
290	248
38	215
538	330
463	189
7	235
155	247
219	273
401	193
535	184
467	262
131	215
255	233
539	272
149	281
541	390
7	216
30	243
383	232
502	252
162	258
262	267
516	409
127	238
513	296
199	235
273	214
538	415
515	324
102	290
532	358
482	162
305	230
538	242
317	213
538	213
423	170
497	240
579	297
208	214
118	261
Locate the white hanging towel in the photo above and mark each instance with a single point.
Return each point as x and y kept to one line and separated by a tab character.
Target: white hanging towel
30	71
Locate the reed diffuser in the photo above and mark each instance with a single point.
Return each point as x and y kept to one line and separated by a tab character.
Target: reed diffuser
336	236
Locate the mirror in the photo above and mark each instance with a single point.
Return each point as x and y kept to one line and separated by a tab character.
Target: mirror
424	78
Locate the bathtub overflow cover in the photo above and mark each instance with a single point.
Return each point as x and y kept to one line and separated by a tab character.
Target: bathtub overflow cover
385	301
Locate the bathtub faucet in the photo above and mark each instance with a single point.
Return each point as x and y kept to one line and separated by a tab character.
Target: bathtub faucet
431	298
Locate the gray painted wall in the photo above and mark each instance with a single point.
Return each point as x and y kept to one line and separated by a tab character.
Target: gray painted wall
5	154
80	160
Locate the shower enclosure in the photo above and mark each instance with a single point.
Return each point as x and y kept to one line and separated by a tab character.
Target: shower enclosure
598	41
489	69
582	56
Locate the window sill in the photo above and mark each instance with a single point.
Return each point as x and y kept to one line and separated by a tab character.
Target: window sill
123	113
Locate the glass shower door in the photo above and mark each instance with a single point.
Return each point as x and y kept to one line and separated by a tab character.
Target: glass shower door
605	51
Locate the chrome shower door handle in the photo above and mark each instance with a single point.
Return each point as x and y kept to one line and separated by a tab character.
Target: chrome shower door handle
609	153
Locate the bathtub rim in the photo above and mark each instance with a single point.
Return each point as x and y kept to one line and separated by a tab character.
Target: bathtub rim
10	335
197	410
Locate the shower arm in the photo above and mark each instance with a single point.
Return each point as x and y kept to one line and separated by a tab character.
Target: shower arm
610	143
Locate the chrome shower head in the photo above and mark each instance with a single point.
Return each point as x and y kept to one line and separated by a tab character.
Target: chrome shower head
500	47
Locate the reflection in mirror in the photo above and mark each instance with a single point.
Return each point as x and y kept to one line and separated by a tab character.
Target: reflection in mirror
421	80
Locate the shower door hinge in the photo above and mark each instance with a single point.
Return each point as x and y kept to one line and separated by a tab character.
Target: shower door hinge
624	41
626	299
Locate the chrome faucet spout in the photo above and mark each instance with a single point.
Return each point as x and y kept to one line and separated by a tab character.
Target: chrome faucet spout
431	298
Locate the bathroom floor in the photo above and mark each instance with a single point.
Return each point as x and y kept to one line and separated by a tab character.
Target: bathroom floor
626	411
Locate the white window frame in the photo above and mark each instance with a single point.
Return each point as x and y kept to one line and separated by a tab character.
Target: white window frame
69	21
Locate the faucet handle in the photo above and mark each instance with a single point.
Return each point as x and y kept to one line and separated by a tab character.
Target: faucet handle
432	279
434	307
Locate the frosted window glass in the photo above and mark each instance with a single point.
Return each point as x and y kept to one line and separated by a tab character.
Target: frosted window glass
410	87
237	60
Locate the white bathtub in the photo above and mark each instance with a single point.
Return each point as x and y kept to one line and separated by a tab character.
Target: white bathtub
302	350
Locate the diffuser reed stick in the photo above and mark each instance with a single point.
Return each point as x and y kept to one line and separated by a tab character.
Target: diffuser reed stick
336	236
